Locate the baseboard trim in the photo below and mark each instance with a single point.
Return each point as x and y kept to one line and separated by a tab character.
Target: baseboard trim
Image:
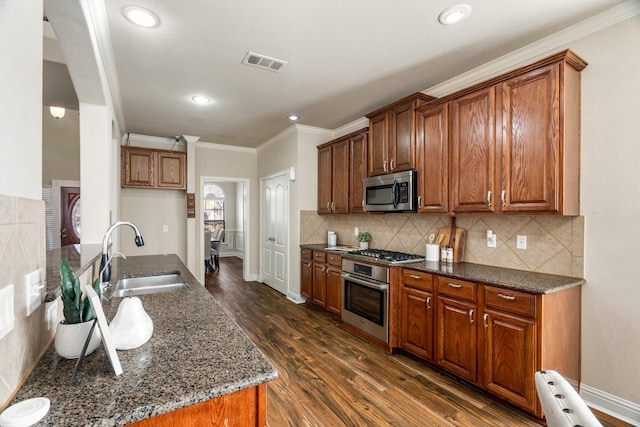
296	298
609	404
253	278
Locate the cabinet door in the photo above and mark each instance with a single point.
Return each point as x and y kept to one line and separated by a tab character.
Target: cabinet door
457	338
324	180
417	326
377	145
319	290
306	278
334	291
432	147
171	170
340	177
510	357
474	152
530	110
139	165
402	148
357	171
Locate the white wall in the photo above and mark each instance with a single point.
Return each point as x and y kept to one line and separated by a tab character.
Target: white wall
610	193
21	106
60	147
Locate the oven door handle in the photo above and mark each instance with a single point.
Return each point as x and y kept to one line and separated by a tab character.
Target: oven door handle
368	284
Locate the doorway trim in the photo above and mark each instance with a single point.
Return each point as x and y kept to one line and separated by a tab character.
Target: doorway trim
246	205
56	186
287	226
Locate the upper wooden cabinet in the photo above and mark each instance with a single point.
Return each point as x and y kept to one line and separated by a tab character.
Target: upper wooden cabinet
432	147
516	141
149	168
392	130
341	168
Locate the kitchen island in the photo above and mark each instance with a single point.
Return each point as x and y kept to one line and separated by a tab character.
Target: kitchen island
197	354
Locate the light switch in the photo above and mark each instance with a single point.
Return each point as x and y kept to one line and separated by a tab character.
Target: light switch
165	228
491	239
33	289
7	318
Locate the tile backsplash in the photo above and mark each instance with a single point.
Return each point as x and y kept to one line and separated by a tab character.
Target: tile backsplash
22	250
555	244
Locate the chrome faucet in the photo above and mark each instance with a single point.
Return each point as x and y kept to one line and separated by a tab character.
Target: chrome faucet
105	263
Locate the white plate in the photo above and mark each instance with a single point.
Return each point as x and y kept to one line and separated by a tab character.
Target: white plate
26	413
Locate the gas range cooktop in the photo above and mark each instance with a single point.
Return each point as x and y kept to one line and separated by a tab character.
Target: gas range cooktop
388	256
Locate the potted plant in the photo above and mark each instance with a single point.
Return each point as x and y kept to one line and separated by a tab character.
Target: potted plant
364	238
73	331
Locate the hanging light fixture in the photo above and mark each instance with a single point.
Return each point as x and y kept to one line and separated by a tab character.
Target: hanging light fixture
57	112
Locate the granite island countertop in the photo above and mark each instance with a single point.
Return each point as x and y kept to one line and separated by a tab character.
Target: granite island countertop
528	281
196	353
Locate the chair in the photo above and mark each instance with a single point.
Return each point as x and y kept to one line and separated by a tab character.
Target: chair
217	238
562	405
208	255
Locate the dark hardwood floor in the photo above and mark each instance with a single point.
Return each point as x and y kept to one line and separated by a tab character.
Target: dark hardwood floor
328	377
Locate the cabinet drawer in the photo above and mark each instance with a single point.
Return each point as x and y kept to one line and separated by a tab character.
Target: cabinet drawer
334	259
306	254
319	256
511	301
417	279
457	288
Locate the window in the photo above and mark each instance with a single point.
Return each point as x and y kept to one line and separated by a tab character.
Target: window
213	207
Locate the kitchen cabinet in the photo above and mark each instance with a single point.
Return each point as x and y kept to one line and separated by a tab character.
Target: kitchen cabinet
321	280
243	408
306	272
340	174
432	148
457	336
149	168
509	345
392	145
473	160
516	141
417	318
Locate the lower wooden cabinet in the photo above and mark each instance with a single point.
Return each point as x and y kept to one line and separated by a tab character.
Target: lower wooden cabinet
321	280
240	409
493	337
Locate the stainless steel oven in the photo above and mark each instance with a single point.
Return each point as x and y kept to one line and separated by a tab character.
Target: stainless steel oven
365	291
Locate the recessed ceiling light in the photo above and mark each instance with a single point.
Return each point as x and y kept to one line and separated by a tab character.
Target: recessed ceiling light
142	17
455	14
200	99
293	117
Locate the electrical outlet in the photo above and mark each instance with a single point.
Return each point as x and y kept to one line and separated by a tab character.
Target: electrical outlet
7	318
165	228
355	231
491	239
33	289
521	242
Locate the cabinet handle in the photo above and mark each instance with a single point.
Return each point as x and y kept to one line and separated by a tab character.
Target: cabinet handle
507	297
391	165
328	206
471	315
419	201
414	276
384	165
333	206
489	198
428	303
504	192
484	319
454	285
363	203
324	270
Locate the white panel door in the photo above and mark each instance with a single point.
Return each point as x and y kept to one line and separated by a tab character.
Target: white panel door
275	225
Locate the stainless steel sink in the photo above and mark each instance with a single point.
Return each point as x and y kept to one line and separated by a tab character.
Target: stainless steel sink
149	285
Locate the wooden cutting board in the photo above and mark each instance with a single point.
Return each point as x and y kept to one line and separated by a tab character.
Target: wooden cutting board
453	237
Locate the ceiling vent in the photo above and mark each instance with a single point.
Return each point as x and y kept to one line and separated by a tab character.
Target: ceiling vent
265	62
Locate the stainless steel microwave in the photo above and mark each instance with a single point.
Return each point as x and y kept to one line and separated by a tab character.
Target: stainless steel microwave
394	192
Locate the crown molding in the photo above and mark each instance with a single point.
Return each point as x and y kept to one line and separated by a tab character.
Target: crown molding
295	129
225	147
536	49
353	126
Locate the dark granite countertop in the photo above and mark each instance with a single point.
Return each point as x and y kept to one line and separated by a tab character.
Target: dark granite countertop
80	258
196	353
528	281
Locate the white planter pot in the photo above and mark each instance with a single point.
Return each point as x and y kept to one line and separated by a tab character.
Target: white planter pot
70	339
364	245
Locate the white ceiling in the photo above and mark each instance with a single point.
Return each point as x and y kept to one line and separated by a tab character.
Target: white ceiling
345	58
